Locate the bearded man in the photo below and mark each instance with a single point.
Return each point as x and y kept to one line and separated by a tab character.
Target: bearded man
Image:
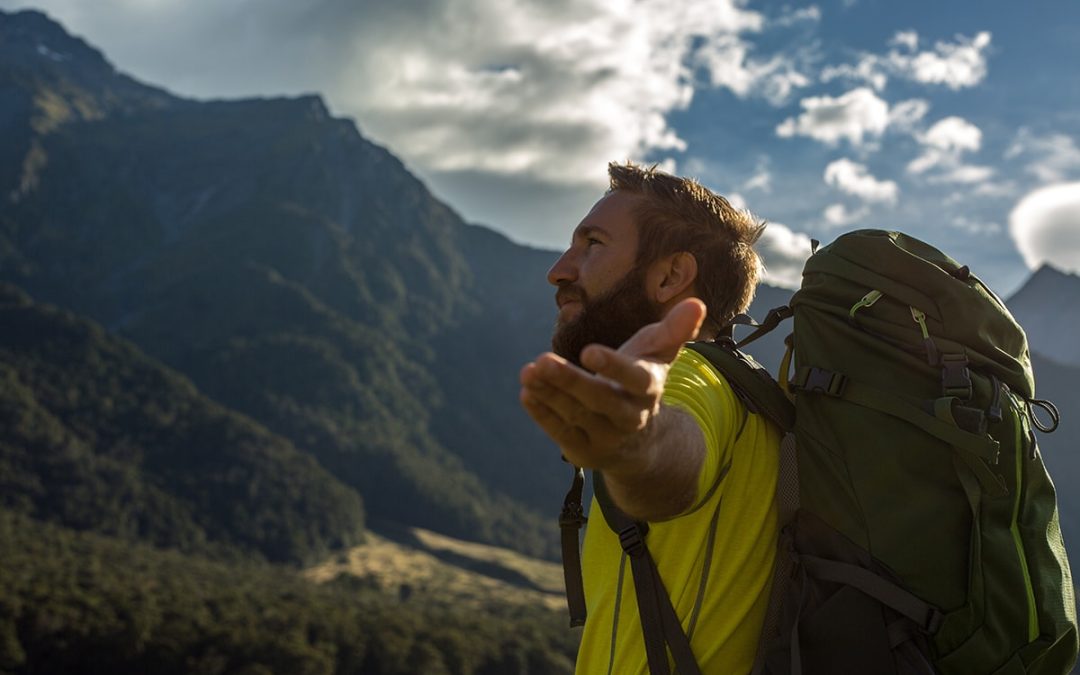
657	262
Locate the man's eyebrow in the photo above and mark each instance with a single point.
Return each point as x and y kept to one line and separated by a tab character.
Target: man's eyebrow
583	231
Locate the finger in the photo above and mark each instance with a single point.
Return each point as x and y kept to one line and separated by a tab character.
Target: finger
600	408
636	376
661	341
606	415
566	435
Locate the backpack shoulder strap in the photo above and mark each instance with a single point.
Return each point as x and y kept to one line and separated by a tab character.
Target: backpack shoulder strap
750	380
660	624
762	394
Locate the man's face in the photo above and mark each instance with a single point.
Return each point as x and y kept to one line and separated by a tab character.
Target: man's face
601	292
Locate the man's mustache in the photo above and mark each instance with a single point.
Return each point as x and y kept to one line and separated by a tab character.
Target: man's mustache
569	293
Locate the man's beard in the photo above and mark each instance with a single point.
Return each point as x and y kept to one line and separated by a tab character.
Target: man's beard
609	320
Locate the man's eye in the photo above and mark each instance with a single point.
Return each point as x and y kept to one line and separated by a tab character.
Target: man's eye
593	240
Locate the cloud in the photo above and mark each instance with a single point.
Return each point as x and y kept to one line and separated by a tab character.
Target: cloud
855	179
976	227
784	253
944	145
906	38
730	66
967	173
548	89
1052	158
540	92
996	190
737	200
854	116
1044	226
762	178
838	215
791	17
953	134
956	65
906	115
867	69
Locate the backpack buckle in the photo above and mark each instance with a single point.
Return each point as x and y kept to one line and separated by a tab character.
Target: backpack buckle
955	376
572	517
632	540
823	381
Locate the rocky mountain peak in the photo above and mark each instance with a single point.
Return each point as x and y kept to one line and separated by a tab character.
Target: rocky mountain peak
1048	307
31	35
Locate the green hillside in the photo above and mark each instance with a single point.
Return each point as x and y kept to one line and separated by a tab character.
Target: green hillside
84	603
96	436
294	271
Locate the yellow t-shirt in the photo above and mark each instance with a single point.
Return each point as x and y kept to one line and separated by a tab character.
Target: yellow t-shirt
715	560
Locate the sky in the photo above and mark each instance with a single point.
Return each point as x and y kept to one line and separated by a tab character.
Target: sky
957	122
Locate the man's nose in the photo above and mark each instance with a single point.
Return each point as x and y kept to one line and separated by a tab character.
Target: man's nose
564	270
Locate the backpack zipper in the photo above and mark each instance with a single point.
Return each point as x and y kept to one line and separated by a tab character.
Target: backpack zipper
867	301
1014	526
931	349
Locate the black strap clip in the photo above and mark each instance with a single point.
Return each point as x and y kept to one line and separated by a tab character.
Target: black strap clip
632	539
823	381
572	517
955	376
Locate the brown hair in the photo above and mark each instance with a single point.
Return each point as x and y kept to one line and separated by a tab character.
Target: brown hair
678	214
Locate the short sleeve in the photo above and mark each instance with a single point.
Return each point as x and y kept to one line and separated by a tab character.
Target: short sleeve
695	387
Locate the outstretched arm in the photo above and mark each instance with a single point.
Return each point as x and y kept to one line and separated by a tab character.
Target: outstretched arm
611	419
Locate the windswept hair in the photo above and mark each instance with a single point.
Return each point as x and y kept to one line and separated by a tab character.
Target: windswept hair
677	214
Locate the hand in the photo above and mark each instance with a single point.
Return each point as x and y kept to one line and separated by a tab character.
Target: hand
596	418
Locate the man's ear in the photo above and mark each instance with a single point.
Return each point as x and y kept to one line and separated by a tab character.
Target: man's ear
673	276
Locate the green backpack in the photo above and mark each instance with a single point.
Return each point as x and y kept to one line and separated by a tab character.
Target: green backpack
920	526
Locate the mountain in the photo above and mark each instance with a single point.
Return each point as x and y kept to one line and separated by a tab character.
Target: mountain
301	277
769	349
1057	383
96	436
1048	307
294	271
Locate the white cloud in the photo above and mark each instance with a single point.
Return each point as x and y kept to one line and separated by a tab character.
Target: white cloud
976	227
996	190
953	134
1044	226
906	38
906	115
854	116
549	91
737	200
965	173
838	215
955	65
944	145
502	91
811	14
867	69
730	66
762	178
855	179
782	80
784	253
1052	158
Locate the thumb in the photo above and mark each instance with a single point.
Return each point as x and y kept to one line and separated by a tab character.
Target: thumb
661	341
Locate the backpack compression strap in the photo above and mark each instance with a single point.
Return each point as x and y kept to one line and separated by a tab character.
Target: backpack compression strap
660	624
570	521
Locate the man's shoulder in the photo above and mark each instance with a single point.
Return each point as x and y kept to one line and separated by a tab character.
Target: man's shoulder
699	370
